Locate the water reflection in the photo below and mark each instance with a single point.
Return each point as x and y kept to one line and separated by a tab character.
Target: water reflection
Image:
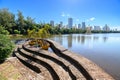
82	39
69	39
103	49
105	39
95	38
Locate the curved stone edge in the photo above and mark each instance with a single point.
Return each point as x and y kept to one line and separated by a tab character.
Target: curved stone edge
94	70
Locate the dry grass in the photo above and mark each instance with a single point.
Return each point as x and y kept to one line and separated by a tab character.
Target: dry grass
8	71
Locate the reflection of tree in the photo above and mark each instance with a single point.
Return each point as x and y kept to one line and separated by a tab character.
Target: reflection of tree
74	37
95	38
82	39
105	39
78	38
69	39
88	38
60	40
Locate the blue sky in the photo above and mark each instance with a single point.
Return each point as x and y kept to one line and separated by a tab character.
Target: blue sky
93	12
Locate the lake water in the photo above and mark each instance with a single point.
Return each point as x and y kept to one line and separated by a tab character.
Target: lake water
102	49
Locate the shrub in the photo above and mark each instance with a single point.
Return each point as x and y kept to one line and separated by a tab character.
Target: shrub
3	31
6	47
16	32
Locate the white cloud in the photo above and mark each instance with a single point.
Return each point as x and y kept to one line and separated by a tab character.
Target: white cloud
91	19
63	14
68	15
77	20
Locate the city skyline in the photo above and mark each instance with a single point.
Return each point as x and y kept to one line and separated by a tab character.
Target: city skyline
90	11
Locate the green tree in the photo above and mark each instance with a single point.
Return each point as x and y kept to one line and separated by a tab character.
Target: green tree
20	22
29	23
7	19
31	33
6	47
16	32
3	31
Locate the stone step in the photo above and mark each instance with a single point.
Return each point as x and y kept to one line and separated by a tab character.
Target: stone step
89	69
43	71
63	75
60	51
72	69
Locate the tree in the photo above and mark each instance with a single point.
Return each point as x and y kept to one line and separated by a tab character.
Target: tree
7	19
6	47
20	22
3	31
16	32
29	23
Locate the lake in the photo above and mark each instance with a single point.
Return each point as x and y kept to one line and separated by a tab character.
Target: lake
102	49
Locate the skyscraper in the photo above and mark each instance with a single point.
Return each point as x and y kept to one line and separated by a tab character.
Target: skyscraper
70	22
79	26
97	28
106	28
52	23
83	26
61	24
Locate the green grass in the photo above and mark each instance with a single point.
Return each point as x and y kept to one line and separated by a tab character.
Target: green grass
2	77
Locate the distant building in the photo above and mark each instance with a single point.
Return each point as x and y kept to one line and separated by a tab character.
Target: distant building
61	24
97	28
83	26
79	26
75	26
70	22
89	28
106	28
52	23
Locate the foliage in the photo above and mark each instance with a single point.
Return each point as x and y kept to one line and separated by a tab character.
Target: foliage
3	31
16	32
20	22
6	47
42	33
31	33
7	19
27	26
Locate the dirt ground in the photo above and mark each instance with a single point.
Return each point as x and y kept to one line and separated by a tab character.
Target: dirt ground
13	69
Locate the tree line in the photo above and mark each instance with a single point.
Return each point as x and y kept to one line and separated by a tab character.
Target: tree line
18	24
21	25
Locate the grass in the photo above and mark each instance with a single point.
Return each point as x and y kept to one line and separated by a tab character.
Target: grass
2	77
8	71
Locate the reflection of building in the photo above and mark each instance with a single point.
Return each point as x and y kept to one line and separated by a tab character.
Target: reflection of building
60	40
97	28
78	38
69	39
105	39
95	38
70	22
82	39
106	28
52	23
83	26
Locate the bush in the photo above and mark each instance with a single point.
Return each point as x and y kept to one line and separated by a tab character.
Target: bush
16	32
3	31
6	47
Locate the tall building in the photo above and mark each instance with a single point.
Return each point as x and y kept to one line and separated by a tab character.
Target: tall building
61	24
97	28
70	22
79	26
83	26
52	23
106	28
